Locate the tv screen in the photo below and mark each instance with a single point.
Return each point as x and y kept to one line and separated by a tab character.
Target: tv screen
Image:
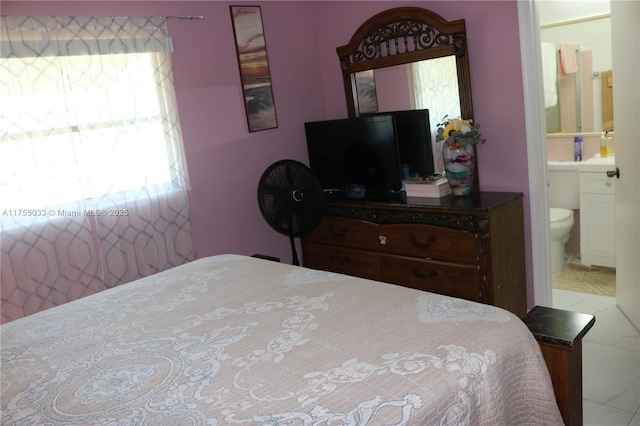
360	151
414	140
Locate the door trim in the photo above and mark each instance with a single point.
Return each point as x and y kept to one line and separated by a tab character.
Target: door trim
531	56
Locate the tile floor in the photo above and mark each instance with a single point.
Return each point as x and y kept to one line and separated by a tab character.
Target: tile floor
610	361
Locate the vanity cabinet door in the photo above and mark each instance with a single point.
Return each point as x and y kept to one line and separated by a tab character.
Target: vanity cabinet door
429	242
359	263
597	219
437	277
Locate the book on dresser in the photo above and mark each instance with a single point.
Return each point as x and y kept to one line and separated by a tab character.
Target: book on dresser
431	188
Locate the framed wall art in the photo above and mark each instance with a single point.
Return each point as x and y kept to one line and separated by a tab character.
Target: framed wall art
254	67
366	91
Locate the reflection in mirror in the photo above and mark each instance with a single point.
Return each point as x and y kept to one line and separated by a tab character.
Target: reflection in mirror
435	86
379	59
431	84
577	76
366	89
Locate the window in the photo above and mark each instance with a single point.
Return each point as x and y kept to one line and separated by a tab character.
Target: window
80	126
92	179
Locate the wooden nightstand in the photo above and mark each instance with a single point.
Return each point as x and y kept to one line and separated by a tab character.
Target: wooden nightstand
559	334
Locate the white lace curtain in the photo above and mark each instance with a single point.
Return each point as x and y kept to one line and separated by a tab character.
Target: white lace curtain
435	85
92	175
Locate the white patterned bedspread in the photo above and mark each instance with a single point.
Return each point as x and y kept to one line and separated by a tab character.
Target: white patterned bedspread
238	340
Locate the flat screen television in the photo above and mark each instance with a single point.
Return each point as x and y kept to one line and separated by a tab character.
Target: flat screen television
414	140
355	151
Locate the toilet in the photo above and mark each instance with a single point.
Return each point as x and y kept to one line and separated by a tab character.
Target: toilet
561	222
564	198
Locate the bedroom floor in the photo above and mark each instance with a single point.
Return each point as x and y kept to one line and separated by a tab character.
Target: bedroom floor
610	360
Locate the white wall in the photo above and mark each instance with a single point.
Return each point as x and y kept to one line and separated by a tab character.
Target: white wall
594	35
553	11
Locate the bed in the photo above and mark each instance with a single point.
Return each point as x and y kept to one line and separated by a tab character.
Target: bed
232	339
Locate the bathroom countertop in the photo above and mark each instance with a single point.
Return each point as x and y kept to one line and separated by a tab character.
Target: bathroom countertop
597	164
562	165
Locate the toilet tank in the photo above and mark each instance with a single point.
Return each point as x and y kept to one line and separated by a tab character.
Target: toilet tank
564	184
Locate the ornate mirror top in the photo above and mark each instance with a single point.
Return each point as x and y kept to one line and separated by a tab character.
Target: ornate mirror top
404	35
402	31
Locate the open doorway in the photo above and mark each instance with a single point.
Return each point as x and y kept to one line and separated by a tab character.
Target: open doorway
577	68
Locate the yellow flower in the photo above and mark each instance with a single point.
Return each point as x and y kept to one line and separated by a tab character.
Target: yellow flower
450	128
456	131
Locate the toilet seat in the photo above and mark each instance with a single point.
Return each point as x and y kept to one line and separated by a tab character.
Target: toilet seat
557	215
560	225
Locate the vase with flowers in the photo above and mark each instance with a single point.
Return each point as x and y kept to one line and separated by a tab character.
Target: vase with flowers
459	137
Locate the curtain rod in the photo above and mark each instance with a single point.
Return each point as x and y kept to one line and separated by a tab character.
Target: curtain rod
190	18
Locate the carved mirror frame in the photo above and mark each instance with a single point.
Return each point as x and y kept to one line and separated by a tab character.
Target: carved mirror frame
401	36
404	35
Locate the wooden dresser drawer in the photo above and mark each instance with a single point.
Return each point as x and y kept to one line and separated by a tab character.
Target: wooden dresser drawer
429	242
436	277
467	247
345	233
354	262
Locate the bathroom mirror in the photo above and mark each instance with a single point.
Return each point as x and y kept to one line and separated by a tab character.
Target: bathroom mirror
376	58
580	102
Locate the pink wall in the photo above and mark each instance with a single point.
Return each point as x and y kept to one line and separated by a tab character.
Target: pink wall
393	89
225	161
496	81
560	147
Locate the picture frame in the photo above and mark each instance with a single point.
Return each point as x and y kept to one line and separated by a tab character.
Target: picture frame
366	91
253	63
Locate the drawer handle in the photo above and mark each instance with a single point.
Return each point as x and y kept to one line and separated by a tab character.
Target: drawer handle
416	273
420	245
336	258
339	233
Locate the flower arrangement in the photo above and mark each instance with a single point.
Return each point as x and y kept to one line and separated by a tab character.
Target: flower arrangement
458	131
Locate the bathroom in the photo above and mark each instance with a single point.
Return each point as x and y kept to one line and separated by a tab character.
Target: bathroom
577	68
610	350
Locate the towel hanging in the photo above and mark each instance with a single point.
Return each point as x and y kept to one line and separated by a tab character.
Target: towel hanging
549	74
568	59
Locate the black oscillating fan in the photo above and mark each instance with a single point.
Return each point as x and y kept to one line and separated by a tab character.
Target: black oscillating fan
290	199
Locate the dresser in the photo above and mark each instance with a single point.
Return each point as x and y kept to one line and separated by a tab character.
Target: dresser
469	247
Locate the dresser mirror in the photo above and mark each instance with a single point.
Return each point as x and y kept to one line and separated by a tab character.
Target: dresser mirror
395	39
376	65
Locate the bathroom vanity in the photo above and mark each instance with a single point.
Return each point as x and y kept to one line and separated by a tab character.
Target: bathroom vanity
587	186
